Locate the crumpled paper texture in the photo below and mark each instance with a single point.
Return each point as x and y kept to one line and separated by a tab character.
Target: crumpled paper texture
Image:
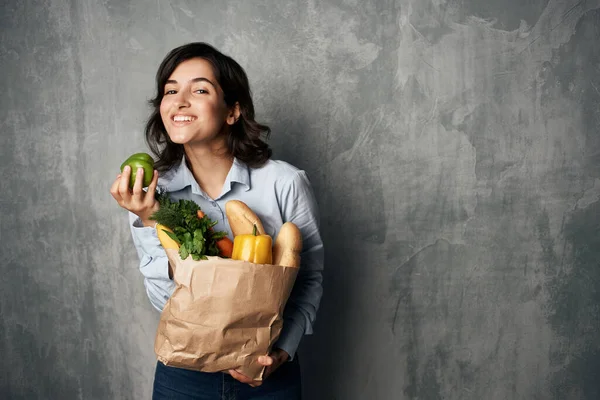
223	314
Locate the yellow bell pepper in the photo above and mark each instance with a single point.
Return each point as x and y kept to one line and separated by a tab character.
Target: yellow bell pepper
253	248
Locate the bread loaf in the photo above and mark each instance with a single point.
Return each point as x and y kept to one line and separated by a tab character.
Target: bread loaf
288	245
242	219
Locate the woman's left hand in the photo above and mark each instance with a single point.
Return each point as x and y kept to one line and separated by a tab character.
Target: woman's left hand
272	362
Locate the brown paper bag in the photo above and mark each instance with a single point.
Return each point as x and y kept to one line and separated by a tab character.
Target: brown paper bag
223	314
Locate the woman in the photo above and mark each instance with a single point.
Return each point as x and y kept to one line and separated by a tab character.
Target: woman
209	150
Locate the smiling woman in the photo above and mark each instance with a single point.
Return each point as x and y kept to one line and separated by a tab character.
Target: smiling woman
201	68
193	108
210	149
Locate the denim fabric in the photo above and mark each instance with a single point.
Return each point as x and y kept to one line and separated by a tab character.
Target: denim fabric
172	383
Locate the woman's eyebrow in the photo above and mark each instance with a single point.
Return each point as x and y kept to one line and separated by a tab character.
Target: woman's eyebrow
199	79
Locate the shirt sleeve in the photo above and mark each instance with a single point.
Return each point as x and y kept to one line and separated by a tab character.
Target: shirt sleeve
154	264
298	205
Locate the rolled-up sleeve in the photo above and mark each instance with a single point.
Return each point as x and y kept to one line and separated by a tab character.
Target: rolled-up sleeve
298	205
154	264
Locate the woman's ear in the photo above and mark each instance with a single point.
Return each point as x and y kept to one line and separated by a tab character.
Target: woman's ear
234	114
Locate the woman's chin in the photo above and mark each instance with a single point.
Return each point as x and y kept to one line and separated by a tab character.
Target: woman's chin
210	141
179	139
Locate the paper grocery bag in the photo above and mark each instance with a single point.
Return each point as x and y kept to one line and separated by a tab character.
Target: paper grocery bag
223	314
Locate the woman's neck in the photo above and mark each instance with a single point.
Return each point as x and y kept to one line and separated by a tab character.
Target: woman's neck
210	167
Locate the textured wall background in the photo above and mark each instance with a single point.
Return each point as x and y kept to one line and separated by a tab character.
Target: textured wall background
453	146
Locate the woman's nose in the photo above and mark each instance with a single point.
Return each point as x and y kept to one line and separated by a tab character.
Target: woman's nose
181	100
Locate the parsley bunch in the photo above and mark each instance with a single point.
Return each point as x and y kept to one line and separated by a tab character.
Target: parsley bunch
194	235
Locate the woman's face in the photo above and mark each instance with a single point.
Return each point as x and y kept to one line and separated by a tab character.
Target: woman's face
193	109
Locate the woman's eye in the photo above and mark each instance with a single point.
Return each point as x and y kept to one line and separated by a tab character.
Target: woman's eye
201	91
170	91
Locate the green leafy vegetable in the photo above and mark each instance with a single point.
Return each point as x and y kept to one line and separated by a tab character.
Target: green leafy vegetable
193	234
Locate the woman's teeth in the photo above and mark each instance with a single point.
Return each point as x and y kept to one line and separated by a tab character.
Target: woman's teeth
182	118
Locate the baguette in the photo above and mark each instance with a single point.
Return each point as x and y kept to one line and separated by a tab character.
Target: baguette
242	219
288	245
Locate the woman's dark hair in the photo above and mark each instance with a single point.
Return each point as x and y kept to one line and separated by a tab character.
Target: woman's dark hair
244	141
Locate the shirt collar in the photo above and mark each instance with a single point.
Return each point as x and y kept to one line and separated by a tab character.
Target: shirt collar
180	177
239	173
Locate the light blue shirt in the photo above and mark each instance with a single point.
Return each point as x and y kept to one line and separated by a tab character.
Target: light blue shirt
277	192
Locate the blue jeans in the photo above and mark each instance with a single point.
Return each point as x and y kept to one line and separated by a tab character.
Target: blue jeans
172	383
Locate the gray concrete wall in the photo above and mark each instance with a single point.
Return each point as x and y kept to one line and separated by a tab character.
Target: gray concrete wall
454	150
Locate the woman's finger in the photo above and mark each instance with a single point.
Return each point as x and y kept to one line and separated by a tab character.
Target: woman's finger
137	186
243	378
239	376
114	189
266	360
124	183
152	189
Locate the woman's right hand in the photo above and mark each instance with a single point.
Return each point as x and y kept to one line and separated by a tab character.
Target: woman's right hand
141	203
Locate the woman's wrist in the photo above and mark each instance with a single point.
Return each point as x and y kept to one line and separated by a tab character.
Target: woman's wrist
149	223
